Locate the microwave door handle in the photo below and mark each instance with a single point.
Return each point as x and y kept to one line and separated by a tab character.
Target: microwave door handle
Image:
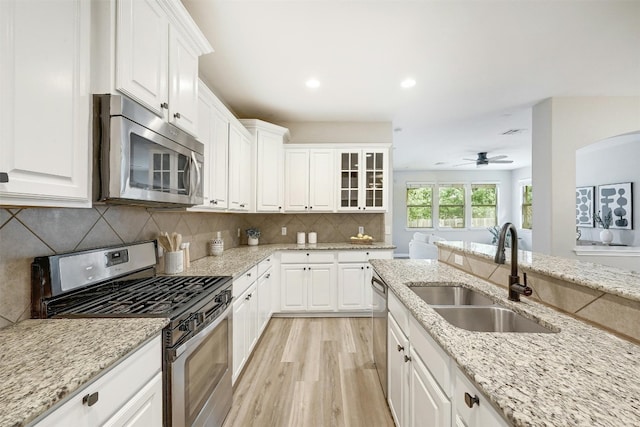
198	176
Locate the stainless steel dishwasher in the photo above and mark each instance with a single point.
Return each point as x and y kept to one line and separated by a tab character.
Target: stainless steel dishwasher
379	327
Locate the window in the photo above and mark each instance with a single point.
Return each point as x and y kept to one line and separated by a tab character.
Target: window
527	208
484	205
419	205
451	206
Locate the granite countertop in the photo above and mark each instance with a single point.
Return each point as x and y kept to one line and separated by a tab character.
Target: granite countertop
235	261
580	376
44	361
612	280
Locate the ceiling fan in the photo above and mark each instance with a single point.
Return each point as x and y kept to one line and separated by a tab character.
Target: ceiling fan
483	160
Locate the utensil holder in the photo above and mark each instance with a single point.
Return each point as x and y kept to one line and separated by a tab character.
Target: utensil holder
173	262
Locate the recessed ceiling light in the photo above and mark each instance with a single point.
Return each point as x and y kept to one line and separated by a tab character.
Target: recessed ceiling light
407	83
313	83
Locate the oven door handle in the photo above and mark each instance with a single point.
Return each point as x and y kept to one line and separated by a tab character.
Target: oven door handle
200	336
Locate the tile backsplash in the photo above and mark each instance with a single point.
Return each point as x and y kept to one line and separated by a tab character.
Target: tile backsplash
30	232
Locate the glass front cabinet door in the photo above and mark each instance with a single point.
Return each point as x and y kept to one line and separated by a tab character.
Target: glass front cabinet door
363	180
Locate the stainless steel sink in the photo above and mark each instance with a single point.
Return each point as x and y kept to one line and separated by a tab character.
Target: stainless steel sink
450	295
489	319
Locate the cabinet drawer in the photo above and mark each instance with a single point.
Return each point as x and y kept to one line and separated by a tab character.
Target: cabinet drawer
380	254
114	389
399	312
432	355
481	413
353	256
243	281
264	265
297	257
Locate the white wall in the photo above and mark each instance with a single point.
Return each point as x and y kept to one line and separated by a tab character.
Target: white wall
612	161
402	235
560	127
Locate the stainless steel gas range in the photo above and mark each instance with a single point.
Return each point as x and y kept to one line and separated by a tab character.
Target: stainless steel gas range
120	281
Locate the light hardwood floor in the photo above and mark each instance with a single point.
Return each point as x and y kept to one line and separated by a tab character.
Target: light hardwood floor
311	372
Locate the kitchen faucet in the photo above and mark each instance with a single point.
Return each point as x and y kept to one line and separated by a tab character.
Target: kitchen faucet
515	288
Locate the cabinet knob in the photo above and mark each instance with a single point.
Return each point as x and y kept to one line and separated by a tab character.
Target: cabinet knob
248	274
407	358
4	177
90	399
310	207
400	348
164	105
279	207
268	275
364	208
471	400
176	115
359	208
362	268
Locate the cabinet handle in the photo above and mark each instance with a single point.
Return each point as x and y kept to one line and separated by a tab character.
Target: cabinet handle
471	400
4	177
90	399
214	202
407	358
400	348
176	115
268	275
248	274
164	105
248	297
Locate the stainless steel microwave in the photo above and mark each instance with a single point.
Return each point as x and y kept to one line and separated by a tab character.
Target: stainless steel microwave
140	159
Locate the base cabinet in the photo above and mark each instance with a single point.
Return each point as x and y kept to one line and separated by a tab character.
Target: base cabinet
308	287
480	413
245	328
128	395
428	404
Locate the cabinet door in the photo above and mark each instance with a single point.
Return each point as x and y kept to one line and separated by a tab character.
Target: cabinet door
143	410
293	287
264	300
296	180
248	173
349	180
45	104
351	283
240	320
397	369
374	178
270	179
183	83
322	282
322	192
142	48
251	333
219	161
481	414
235	167
428	404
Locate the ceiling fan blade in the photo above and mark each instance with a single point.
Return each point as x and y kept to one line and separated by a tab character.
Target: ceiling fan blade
502	156
463	164
500	161
471	160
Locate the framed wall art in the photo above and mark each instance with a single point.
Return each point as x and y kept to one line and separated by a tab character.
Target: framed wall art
584	206
617	198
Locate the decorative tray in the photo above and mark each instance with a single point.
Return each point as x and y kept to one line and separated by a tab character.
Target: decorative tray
357	241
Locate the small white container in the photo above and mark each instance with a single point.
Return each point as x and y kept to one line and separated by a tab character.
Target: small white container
173	262
313	238
301	238
216	246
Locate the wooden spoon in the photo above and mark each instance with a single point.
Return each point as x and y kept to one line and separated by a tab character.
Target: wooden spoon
163	240
177	239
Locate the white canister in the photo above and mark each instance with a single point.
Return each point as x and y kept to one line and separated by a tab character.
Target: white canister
173	262
216	246
301	237
313	238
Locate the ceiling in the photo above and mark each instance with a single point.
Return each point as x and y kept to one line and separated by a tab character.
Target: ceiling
479	66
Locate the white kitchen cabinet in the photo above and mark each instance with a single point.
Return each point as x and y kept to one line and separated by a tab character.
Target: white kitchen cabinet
308	281
156	58
129	394
241	168
354	278
397	372
309	184
264	289
45	133
213	132
480	413
269	178
428	404
363	180
245	325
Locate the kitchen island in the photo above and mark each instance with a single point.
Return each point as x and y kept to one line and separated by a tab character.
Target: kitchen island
578	376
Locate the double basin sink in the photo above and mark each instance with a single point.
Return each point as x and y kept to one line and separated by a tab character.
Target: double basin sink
474	311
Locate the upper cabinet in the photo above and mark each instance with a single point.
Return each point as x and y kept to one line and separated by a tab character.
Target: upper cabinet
155	46
45	106
269	182
309	185
363	180
241	167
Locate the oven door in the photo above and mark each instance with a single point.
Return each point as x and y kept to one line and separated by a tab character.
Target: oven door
200	376
147	167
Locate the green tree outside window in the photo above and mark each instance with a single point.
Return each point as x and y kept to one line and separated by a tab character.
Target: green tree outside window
527	207
484	205
419	206
451	206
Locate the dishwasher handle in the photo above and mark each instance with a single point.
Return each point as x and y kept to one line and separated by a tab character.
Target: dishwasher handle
379	286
